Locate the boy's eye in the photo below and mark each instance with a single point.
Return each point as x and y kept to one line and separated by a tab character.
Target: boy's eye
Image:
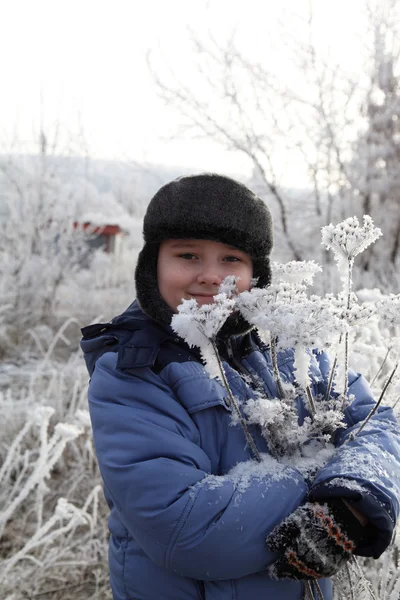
187	256
232	259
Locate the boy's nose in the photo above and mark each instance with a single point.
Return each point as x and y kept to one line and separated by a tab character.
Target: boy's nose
209	277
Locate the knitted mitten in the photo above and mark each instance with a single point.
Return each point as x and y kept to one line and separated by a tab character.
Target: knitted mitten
314	541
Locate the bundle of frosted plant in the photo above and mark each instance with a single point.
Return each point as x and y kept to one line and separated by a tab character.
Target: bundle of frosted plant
33	470
287	318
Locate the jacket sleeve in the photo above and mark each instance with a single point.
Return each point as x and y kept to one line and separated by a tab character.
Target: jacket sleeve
158	480
366	469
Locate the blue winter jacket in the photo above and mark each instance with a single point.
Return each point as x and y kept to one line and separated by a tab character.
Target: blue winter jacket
184	523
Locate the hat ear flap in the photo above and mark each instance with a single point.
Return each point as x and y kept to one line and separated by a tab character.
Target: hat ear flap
262	271
147	292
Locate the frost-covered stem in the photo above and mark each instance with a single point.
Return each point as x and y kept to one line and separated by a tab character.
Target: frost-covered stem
12	449
396	403
349	280
350	581
362	576
277	376
310	400
317	587
59	335
42	468
373	411
396	557
346	335
309	591
42	536
331	376
380	368
346	367
235	405
39	504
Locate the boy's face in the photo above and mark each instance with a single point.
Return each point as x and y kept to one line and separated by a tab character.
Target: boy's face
195	268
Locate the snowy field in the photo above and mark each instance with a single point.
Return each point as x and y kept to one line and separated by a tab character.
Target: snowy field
53	515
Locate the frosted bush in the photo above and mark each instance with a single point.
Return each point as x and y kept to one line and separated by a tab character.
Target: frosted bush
48	272
52	510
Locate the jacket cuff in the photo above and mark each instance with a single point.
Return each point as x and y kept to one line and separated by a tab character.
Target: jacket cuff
379	530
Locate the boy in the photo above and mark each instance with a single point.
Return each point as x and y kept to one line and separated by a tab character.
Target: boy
183	524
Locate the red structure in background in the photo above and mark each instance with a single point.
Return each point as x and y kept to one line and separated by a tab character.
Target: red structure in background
104	234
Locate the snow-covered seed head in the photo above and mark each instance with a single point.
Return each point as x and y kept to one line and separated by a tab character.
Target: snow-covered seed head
67	431
296	271
194	323
389	310
354	315
199	326
66	511
348	238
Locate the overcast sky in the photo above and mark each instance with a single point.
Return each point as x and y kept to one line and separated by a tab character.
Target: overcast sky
82	63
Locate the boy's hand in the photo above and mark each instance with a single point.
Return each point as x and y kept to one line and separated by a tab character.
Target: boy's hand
316	540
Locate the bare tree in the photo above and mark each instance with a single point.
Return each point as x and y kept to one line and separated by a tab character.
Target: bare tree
374	169
231	110
316	115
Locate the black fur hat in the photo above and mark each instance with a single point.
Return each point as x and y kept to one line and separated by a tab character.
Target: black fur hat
206	206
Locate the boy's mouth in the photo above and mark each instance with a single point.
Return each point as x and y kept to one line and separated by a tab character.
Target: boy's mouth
204	298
